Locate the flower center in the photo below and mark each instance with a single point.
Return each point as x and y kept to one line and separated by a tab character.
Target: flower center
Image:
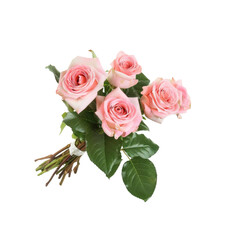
165	95
120	110
168	95
125	63
81	80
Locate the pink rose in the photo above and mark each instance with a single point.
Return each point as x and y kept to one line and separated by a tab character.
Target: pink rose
119	114
160	99
185	102
124	70
79	85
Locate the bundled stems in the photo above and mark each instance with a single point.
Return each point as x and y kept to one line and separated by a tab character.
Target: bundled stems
62	161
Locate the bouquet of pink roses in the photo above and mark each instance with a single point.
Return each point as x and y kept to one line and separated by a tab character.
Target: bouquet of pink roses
106	109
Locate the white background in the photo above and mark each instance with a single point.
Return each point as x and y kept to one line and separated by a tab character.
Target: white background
198	164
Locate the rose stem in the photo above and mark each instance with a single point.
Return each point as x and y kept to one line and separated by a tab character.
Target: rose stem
65	160
75	169
55	154
81	146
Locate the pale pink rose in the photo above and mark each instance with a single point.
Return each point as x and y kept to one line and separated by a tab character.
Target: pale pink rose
124	70
160	99
185	102
119	114
79	85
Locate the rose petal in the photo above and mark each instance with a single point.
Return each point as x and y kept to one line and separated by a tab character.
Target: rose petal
81	103
107	129
93	62
121	80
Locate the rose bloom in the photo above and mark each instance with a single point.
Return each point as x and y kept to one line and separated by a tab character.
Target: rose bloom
124	70
164	97
79	85
185	102
119	114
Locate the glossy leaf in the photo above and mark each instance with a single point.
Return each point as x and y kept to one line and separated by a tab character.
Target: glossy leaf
101	92
140	177
56	73
90	117
77	122
136	90
107	88
138	145
92	107
104	151
143	127
80	135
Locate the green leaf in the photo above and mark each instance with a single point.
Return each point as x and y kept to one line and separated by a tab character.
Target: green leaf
56	73
107	88
138	145
77	122
81	136
82	123
136	90
70	109
90	117
64	115
140	177
63	124
104	151
143	127
74	136
92	106
93	54
101	93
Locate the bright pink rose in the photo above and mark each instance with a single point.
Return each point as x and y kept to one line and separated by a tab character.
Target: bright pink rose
160	99
79	85
119	114
185	102
124	70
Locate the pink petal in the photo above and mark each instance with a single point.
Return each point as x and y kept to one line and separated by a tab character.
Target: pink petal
135	102
107	129
117	93
93	62
81	103
99	112
117	134
121	80
99	101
